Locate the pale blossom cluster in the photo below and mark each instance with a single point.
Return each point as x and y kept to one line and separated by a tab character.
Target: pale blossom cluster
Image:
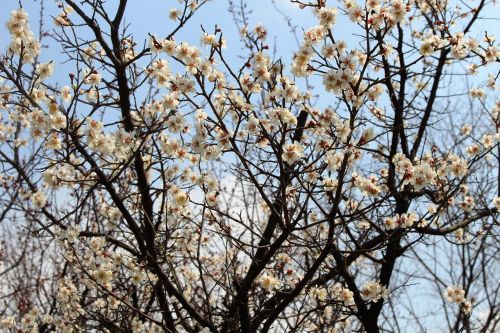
477	93
63	20
112	214
96	139
91	52
392	13
421	176
7	322
467	203
68	235
44	70
429	170
23	42
456	294
316	34
29	322
405	221
373	291
282	115
63	174
337	80
496	203
343	294
430	44
260	67
368	186
119	144
320	294
292	153
301	59
160	71
42	122
38	199
327	16
269	282
288	90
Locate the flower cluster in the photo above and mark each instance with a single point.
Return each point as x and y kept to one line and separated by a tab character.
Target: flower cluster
456	294
402	221
292	153
269	282
343	294
373	291
23	42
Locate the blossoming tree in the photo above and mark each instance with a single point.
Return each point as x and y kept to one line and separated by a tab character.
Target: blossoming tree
165	187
